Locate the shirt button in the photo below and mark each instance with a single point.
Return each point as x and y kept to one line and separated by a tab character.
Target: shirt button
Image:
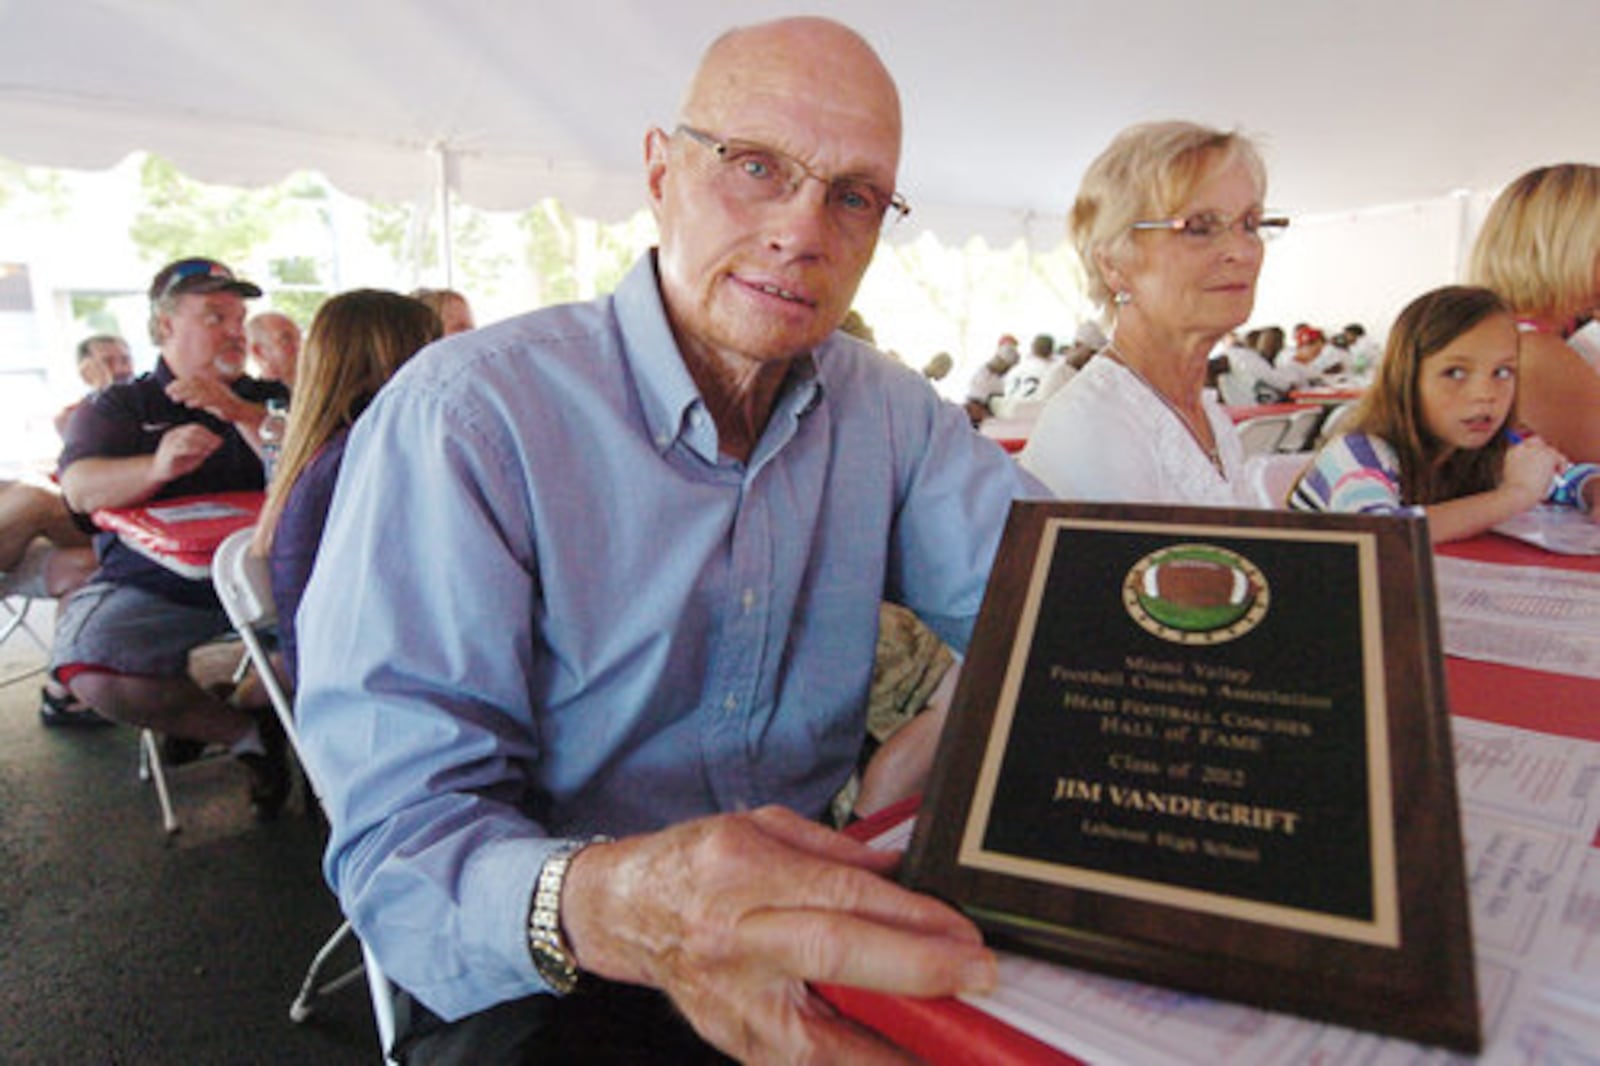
748	600
729	703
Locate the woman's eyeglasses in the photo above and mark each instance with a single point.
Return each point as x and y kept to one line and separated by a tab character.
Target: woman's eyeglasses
1209	225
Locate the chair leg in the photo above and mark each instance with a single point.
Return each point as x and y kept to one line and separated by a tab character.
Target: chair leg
382	993
17	620
151	768
305	1004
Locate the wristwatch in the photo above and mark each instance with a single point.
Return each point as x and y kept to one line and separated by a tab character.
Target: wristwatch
551	957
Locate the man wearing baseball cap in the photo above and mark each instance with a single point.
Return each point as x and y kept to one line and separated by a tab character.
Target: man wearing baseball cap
187	427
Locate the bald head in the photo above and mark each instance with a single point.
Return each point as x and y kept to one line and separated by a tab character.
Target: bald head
275	344
768	67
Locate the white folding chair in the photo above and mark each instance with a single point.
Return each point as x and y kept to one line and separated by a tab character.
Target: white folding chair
1302	428
245	589
153	764
1272	476
1331	426
19	588
1260	435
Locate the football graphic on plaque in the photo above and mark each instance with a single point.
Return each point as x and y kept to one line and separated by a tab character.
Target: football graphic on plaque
1196	594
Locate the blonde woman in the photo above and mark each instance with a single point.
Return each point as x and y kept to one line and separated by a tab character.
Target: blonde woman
1540	250
357	342
1169	223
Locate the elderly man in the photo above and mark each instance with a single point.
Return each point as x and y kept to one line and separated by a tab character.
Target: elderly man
274	345
123	640
615	568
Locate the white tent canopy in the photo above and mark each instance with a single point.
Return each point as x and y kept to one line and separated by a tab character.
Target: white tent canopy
1358	102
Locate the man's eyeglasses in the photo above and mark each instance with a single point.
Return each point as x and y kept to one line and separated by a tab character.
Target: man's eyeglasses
1209	225
755	173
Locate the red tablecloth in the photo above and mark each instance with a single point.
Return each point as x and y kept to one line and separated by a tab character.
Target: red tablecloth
949	1031
1240	414
1328	395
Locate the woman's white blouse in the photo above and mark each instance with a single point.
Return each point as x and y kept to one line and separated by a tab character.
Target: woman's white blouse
1107	436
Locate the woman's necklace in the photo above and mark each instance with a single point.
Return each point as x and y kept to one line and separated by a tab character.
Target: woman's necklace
1209	450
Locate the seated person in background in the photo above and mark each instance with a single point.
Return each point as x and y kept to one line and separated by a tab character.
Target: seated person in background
616	567
989	380
1269	341
1321	356
274	346
1539	248
855	324
189	426
1024	379
1434	429
1257	380
33	508
30	509
358	340
103	360
451	307
1364	353
33	514
1168	225
1038	376
912	682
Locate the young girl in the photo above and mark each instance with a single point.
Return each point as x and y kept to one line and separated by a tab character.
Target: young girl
1434	429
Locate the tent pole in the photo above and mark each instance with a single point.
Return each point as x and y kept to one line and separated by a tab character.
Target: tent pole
443	186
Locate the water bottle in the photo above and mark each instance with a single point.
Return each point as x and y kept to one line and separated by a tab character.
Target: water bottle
273	427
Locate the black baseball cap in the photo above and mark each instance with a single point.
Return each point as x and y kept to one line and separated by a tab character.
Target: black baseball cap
198	275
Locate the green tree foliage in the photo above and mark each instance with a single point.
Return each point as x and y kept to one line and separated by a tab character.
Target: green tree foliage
575	258
95	312
181	217
297	287
36	190
969	285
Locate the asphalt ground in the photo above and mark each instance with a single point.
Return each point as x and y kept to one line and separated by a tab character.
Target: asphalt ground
120	944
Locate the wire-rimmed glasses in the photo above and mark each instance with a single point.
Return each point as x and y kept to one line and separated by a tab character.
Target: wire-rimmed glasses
756	173
1209	225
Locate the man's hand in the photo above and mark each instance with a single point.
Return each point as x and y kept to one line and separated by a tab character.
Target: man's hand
213	396
182	450
733	915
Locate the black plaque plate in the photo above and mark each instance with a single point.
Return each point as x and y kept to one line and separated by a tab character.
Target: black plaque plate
1210	748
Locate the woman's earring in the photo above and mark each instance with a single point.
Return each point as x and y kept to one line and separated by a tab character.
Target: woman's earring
1122	298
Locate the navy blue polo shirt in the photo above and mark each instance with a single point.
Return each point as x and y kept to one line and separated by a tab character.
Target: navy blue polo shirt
129	419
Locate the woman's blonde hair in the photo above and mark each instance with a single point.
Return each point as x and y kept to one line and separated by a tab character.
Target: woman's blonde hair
1392	406
1540	242
356	343
1146	173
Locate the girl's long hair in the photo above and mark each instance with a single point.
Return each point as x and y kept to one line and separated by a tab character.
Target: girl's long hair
356	343
1392	406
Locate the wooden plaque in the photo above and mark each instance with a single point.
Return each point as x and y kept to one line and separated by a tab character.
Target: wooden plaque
1210	749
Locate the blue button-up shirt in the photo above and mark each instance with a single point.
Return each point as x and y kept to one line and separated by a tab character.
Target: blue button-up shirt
546	606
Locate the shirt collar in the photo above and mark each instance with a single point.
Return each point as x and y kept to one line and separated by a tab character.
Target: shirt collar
665	389
671	403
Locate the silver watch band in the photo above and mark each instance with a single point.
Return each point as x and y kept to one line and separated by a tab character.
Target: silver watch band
552	958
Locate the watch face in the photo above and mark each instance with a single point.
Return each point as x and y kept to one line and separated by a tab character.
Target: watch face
553	962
